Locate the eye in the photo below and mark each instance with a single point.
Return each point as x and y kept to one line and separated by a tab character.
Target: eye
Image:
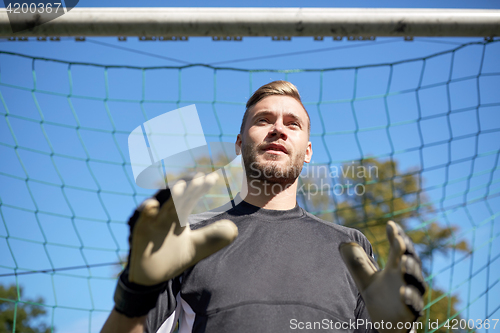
296	124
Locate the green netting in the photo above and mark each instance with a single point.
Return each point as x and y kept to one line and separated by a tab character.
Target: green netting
430	126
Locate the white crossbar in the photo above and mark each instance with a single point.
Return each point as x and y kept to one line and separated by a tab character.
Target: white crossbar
228	23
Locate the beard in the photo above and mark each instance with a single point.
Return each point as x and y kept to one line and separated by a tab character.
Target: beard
272	170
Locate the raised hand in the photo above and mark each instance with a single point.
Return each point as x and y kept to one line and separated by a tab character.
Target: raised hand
394	295
163	246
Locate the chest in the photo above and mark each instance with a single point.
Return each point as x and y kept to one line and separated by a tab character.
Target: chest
295	264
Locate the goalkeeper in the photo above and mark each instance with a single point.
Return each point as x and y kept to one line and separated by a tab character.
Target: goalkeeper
264	265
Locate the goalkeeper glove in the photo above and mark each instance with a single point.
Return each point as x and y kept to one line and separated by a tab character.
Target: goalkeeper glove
395	294
162	247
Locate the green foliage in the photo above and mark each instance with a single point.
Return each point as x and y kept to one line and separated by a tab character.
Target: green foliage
388	194
219	193
25	315
439	310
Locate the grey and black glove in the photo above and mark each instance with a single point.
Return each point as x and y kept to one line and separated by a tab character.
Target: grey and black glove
393	295
162	246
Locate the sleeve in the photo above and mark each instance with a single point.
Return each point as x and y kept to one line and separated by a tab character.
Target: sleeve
362	316
163	317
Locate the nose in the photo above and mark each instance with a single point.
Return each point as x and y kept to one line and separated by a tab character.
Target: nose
278	130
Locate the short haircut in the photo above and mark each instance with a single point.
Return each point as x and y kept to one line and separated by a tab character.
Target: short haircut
283	88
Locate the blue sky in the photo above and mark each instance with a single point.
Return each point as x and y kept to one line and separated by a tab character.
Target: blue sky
84	223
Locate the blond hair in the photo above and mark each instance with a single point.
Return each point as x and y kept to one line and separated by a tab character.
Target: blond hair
280	87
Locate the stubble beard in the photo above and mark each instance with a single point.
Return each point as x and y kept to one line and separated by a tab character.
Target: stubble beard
272	170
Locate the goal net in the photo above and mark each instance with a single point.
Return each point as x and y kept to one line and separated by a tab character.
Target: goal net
415	141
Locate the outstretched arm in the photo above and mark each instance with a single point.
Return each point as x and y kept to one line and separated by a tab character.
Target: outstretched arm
162	247
394	295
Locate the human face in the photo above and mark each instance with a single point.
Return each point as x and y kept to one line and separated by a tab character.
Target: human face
275	141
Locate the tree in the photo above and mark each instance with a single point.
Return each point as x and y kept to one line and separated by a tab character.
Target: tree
25	315
219	193
369	193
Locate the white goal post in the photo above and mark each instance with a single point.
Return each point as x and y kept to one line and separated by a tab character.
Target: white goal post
231	23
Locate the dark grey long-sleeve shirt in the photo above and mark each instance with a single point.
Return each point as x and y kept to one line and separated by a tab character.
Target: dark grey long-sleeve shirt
283	273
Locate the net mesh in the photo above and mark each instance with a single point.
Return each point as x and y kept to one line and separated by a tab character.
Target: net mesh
430	126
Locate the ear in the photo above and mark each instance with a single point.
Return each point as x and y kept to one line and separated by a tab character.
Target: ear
237	145
309	152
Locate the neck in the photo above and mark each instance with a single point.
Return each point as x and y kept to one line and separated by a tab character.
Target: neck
270	195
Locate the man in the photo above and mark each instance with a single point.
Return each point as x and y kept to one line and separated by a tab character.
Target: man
268	265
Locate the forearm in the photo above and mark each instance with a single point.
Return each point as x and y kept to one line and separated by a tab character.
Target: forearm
119	323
